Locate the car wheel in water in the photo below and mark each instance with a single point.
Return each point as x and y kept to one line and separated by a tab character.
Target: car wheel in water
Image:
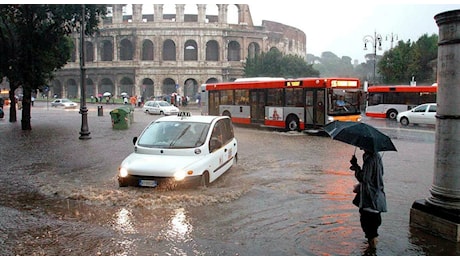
205	179
404	121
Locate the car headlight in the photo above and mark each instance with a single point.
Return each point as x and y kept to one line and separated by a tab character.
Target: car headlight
123	172
179	175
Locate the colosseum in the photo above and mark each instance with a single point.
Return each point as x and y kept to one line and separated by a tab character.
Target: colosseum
152	55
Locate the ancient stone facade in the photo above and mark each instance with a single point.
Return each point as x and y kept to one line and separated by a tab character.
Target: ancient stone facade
152	55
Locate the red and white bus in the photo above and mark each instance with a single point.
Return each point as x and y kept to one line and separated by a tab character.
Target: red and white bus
292	104
388	101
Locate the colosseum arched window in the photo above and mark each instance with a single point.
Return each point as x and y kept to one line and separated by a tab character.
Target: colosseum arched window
169	50
190	50
212	51
107	51
126	50
169	86
89	51
234	51
72	89
147	50
90	90
147	89
253	50
127	86
106	86
56	88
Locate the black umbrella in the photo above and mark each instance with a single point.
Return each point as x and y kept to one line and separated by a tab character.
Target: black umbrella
360	135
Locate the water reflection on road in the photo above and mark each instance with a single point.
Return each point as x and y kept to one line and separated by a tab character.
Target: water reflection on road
289	194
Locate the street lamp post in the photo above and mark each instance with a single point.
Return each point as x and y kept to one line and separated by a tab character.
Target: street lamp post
376	41
84	133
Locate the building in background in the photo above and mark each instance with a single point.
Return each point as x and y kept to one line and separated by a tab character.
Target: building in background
153	55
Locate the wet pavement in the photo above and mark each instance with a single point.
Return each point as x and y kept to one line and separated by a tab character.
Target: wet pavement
290	194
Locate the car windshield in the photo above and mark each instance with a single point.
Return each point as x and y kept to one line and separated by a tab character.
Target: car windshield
174	135
164	104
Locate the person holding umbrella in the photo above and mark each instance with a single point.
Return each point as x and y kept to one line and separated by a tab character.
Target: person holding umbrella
370	195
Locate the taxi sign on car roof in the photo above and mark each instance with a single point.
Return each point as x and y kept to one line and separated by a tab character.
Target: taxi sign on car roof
184	114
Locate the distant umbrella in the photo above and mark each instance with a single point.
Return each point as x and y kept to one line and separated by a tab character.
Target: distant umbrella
124	94
107	94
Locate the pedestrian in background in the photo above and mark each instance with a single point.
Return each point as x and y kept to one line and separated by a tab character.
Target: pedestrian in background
370	196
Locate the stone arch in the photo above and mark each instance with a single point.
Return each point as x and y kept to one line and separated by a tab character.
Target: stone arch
90	88
190	50
191	88
106	86
126	85
253	50
190	13
233	14
89	51
126	50
106	51
72	88
169	86
147	89
147	50
212	13
212	80
234	51
169	50
274	48
212	50
56	88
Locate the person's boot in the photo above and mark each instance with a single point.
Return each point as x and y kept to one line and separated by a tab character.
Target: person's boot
373	243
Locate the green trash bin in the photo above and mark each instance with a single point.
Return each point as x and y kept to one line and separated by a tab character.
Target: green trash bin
120	118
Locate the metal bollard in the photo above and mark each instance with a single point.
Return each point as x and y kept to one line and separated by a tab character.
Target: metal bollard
100	111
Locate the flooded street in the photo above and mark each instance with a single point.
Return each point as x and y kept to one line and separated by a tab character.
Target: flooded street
289	194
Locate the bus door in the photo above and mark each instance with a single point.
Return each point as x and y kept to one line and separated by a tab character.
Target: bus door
315	100
257	101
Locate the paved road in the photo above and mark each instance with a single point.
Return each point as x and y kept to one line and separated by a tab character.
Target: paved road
289	194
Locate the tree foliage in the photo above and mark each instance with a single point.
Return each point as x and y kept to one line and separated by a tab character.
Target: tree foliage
275	64
34	41
408	60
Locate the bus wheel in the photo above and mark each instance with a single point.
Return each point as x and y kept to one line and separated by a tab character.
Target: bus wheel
292	123
392	114
226	113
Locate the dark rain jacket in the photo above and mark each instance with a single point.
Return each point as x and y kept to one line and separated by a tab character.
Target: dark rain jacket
371	193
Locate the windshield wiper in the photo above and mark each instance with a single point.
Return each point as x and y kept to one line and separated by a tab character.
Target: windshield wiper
179	136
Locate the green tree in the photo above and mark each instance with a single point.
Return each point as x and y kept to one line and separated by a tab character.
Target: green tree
275	64
34	40
410	59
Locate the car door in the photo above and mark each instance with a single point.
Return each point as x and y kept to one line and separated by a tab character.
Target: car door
418	114
156	108
430	117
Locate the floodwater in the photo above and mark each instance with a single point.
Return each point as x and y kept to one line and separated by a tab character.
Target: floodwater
289	194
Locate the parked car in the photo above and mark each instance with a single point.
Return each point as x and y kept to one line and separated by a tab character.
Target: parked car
160	107
422	114
63	102
180	149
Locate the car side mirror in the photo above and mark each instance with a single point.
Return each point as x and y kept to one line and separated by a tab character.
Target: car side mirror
135	140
